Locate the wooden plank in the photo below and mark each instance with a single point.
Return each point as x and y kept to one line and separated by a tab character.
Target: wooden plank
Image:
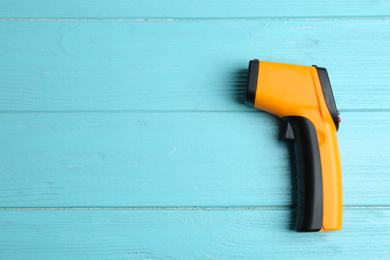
191	66
187	234
151	9
174	159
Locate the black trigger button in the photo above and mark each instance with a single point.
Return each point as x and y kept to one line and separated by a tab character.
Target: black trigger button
289	135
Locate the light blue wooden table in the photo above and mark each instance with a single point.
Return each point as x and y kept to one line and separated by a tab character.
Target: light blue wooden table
124	134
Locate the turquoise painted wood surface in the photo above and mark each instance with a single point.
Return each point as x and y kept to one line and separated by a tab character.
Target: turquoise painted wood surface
187	234
192	9
107	159
124	133
191	66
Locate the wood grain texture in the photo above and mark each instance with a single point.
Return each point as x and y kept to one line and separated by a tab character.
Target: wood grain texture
131	114
186	234
174	159
191	66
152	9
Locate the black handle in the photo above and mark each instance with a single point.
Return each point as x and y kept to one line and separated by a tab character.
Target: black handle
302	133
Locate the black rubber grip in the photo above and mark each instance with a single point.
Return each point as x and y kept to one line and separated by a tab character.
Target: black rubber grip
328	95
302	133
251	86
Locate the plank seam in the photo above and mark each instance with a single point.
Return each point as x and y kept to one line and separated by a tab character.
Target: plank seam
163	111
195	19
177	208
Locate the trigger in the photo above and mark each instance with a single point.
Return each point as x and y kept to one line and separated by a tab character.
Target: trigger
289	135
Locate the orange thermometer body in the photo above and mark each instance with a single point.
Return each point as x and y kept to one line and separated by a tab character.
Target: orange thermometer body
302	96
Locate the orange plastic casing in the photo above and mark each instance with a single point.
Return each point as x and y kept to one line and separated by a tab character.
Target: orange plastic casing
293	90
